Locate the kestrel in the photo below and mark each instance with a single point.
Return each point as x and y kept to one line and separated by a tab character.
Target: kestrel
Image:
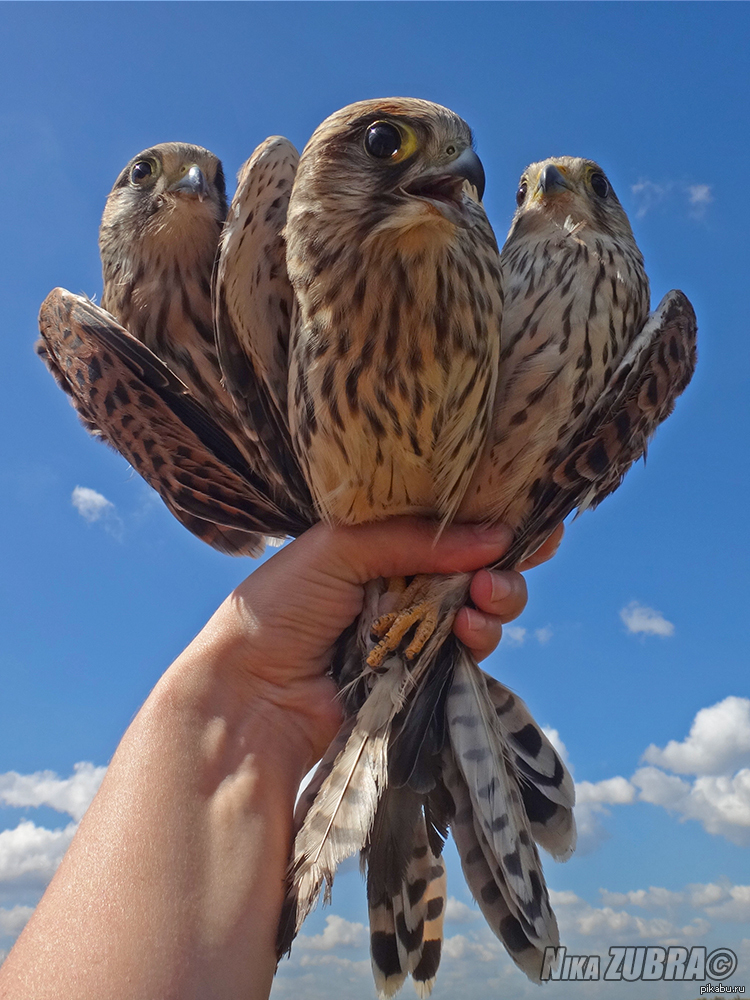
159	240
412	388
409	386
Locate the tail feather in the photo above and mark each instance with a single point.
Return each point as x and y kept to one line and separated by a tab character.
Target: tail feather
485	763
485	880
545	783
406	924
339	821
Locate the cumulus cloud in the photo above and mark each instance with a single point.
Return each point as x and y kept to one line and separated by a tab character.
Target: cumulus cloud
543	635
718	741
93	506
460	946
459	912
43	788
592	799
714	757
338	933
717	752
13	921
33	852
640	619
721	803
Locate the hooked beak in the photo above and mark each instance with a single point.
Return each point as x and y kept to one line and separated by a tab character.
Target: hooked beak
193	182
443	187
469	168
551	180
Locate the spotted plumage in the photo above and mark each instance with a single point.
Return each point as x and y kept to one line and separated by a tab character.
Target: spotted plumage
393	352
578	385
159	241
411	389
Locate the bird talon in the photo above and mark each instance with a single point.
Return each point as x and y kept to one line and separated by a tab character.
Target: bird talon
394	626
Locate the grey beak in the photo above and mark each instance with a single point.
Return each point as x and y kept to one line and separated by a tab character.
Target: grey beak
469	166
193	183
551	178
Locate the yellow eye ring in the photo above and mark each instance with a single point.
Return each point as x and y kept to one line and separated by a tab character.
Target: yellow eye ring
392	141
142	171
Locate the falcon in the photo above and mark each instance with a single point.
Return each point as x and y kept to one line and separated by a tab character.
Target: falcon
159	240
427	374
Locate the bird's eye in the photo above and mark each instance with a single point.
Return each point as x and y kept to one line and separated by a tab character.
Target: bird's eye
600	184
450	150
521	193
383	140
141	170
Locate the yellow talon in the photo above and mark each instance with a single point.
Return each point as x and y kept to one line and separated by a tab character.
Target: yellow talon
392	627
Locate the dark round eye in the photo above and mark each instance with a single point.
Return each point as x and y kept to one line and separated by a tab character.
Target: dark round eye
141	171
521	193
382	140
600	184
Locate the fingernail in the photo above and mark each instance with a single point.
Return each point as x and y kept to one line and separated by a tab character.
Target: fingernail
501	587
474	620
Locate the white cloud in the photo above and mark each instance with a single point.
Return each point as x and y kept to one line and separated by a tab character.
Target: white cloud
515	635
13	921
592	799
93	506
33	851
720	803
460	946
649	899
459	912
43	788
90	505
736	907
649	195
718	741
638	618
338	933
718	796
611	791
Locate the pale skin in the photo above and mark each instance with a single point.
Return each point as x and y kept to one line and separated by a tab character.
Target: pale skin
172	886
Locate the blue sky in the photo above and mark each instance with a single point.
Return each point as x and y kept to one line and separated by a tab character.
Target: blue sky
94	610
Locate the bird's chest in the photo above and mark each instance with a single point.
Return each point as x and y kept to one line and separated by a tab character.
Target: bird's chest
388	376
571	311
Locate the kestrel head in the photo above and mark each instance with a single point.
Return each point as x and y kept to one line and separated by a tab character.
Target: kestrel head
171	197
569	191
394	163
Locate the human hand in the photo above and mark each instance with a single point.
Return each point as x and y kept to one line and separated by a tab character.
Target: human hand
277	630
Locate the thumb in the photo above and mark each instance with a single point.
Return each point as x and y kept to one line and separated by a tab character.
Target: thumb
405	546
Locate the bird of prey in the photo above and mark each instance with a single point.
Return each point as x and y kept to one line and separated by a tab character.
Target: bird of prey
159	240
409	387
415	387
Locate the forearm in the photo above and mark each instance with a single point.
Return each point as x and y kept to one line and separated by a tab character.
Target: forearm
174	882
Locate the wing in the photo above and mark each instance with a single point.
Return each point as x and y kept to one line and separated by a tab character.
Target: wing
126	395
253	302
641	394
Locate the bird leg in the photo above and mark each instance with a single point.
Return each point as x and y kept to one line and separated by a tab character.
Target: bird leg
415	607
